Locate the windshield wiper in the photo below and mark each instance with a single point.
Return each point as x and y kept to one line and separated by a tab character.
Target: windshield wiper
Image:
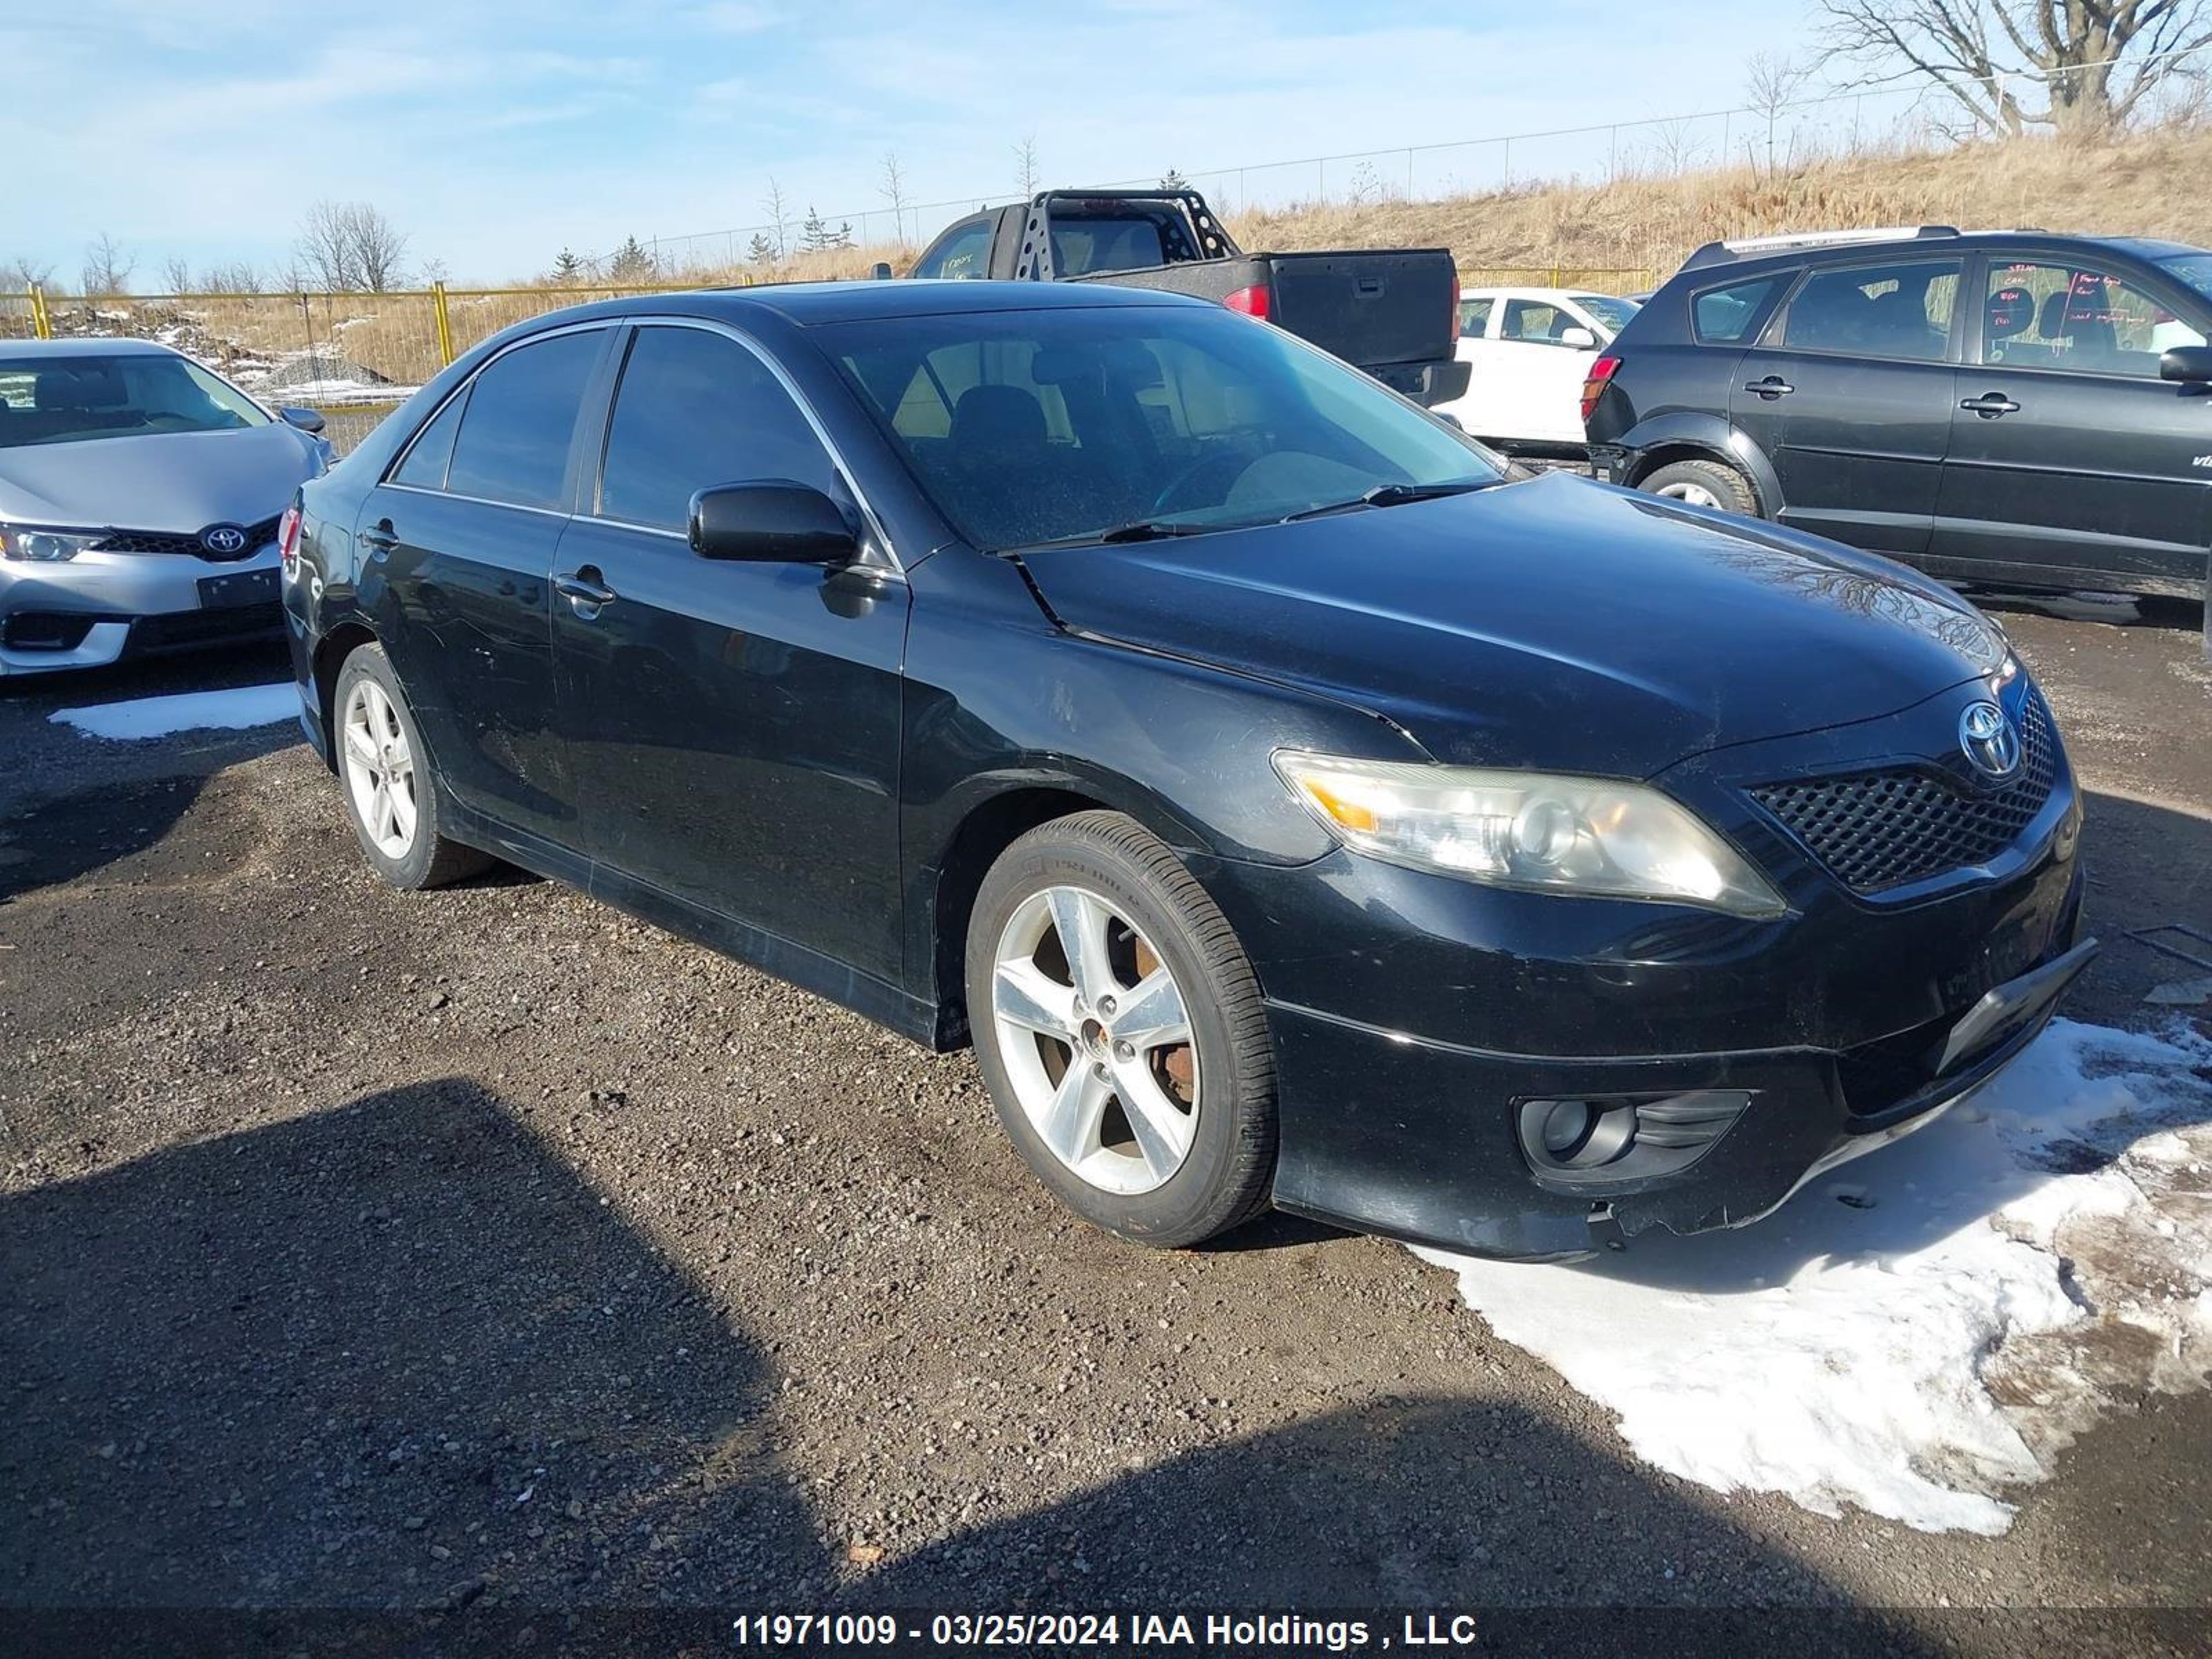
1393	495
1138	529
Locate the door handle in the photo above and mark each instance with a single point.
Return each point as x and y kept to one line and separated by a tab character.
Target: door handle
378	538
1772	387
1990	404
584	590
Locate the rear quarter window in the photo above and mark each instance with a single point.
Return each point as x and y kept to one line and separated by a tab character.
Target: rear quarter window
1725	316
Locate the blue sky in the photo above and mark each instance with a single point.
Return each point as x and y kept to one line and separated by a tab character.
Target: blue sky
494	135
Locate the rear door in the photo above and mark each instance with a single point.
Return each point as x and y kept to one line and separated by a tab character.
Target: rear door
2070	460
1849	393
735	727
1536	376
460	540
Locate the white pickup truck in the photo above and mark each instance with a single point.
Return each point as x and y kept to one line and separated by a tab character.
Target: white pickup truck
1528	351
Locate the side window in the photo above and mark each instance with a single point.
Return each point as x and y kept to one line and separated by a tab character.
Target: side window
1473	318
1535	322
697	409
1723	316
1901	311
2059	316
425	466
513	441
962	251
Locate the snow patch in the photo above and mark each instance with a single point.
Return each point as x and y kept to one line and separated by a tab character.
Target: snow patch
1921	1332
188	711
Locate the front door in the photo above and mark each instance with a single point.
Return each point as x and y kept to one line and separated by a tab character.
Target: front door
2070	459
734	728
1849	393
460	540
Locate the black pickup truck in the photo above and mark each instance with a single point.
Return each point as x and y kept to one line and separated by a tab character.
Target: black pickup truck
1394	312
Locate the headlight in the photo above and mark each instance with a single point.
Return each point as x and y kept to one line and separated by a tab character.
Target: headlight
43	546
1558	835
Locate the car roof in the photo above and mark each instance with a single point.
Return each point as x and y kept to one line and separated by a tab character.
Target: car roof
1718	260
809	303
95	346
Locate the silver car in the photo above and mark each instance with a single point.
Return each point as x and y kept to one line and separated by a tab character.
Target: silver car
139	501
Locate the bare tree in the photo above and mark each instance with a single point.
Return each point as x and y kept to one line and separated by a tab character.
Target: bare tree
107	266
1026	166
23	273
2081	67
238	277
779	213
177	275
1674	146
1770	85
894	191
349	246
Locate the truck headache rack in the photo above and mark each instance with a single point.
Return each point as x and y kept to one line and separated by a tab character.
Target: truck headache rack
1191	232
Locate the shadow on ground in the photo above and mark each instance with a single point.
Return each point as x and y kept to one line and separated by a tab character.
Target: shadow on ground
397	1358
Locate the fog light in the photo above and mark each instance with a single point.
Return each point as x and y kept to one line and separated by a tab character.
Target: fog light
1576	1134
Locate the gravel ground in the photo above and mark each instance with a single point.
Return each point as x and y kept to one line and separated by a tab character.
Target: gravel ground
487	1249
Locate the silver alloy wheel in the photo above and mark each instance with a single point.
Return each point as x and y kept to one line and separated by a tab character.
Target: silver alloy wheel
379	769
1693	495
1096	1040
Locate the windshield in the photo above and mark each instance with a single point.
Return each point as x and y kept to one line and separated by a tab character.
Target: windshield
57	399
2194	268
1612	313
1029	426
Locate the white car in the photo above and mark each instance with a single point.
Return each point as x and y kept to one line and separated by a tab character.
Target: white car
1528	350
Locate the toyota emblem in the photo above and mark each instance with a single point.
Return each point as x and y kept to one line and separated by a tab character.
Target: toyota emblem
225	541
1989	740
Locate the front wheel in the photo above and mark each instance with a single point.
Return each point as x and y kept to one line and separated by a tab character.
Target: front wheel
1119	1028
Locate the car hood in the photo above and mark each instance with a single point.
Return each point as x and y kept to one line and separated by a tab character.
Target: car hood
1554	624
165	481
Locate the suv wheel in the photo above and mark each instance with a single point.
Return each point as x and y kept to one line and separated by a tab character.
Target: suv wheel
1703	483
1119	1028
391	792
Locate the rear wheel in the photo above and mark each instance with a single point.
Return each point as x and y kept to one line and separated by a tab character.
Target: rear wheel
1703	483
1119	1028
390	793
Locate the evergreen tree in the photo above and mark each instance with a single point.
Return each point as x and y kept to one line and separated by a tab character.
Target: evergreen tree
631	262
760	250
1174	180
567	268
814	236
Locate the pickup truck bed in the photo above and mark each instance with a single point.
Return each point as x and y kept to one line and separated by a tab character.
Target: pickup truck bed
1393	313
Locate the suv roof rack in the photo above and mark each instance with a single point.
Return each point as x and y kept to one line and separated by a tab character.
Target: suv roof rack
1752	248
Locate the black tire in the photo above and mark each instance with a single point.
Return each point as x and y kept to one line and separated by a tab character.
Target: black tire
1227	1175
1729	488
431	859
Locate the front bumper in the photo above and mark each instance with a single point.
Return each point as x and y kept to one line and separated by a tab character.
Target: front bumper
100	608
1419	1019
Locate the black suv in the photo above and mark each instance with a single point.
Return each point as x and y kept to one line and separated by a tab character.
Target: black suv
2052	429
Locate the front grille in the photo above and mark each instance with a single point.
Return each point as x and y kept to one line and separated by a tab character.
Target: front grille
1880	830
258	535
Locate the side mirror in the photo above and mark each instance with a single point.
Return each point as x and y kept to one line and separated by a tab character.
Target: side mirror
1581	339
774	521
2192	365
882	273
307	419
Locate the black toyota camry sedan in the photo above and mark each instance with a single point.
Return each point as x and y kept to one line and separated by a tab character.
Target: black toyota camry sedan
1292	804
